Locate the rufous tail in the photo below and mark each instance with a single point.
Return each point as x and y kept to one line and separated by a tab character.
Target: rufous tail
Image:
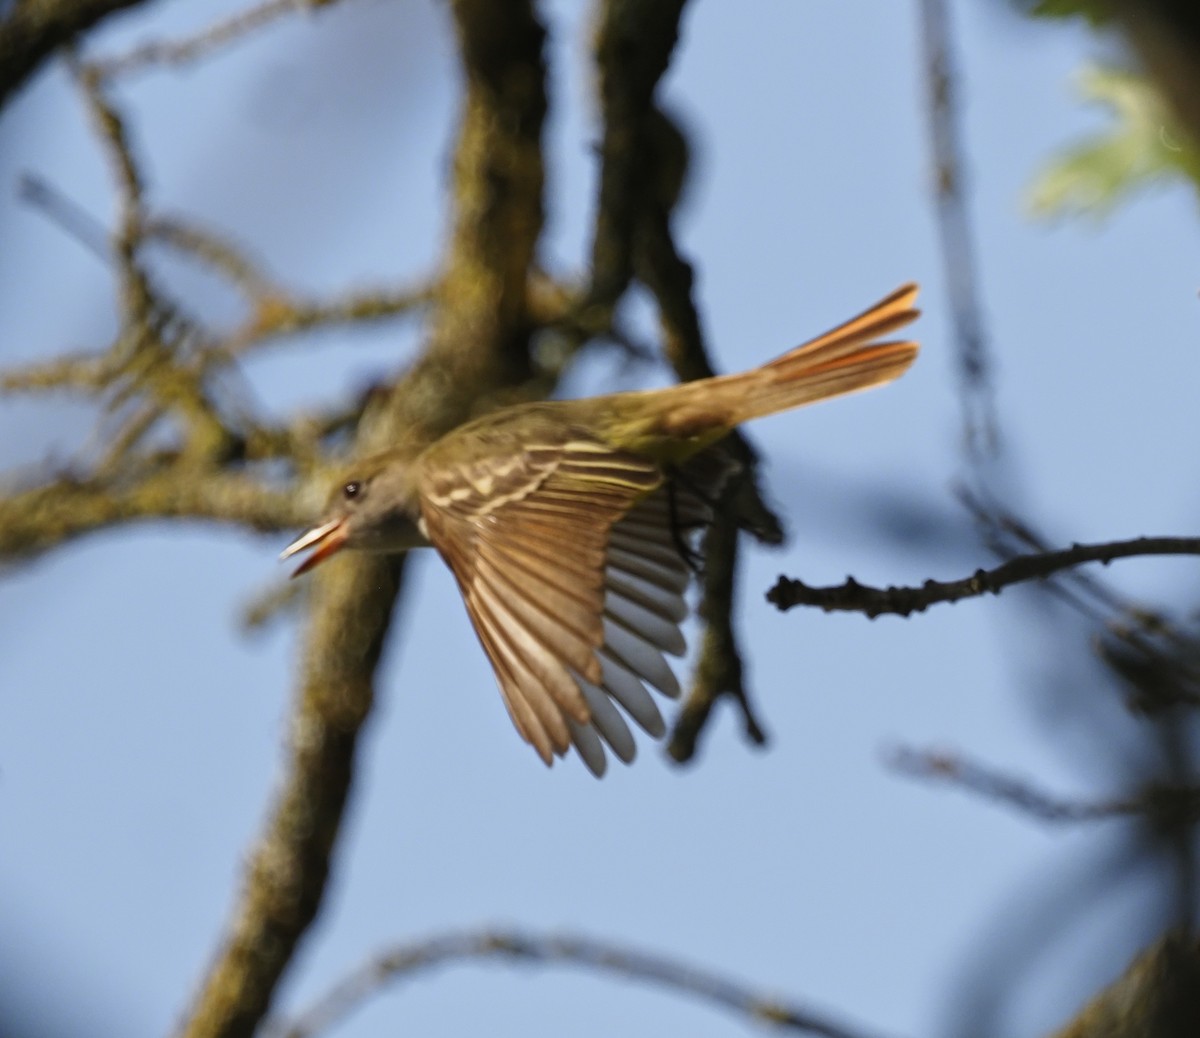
848	358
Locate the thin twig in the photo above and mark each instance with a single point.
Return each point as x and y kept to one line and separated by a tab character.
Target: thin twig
1155	656
1166	807
966	774
271	604
719	671
402	962
981	434
853	597
204	42
213	250
114	136
67	214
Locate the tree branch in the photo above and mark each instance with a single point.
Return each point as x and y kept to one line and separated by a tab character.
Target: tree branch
36	520
1165	807
35	29
853	597
980	428
479	342
668	275
634	41
1156	997
200	44
405	960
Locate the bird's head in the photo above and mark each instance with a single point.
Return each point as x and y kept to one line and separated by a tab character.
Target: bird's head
373	506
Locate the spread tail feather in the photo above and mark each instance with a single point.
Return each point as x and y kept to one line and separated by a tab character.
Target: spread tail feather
848	358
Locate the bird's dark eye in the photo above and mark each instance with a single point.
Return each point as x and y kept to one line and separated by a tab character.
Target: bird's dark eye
351	490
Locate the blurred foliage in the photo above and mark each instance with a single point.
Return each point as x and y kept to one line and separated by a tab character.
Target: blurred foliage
1142	146
1095	11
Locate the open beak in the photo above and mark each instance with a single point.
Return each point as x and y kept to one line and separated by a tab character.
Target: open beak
326	539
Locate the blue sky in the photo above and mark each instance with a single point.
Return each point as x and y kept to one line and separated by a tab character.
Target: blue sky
141	735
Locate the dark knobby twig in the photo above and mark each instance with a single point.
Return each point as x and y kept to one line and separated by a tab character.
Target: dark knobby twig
854	597
664	270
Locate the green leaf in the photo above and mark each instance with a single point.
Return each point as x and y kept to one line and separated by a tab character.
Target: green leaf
1143	146
1095	11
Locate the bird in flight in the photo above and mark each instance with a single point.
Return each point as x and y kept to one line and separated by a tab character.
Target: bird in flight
569	526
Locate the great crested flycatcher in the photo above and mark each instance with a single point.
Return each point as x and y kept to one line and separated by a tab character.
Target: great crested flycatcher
566	525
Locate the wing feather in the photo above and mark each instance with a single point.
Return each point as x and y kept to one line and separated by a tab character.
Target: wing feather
608	722
587	744
521	653
665	604
569	560
665	576
561	633
528	726
631	652
627	689
663	634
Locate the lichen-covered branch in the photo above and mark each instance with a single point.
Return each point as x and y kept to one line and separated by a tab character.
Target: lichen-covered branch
40	518
719	668
1158	996
634	42
659	265
478	347
162	53
32	30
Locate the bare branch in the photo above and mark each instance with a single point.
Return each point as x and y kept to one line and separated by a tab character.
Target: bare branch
968	775
1165	807
719	670
853	597
404	961
68	215
1159	675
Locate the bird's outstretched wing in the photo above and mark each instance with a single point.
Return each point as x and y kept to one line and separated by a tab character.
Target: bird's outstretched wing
570	557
